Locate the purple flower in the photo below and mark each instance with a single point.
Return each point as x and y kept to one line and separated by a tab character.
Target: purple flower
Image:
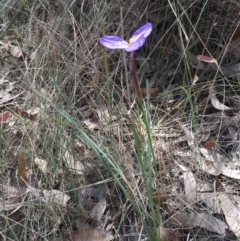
137	40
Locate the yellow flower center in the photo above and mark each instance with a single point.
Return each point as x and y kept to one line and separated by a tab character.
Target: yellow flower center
130	40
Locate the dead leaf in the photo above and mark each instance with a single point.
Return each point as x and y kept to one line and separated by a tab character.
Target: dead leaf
204	220
211	145
22	174
215	102
190	185
219	161
207	166
91	125
159	197
94	200
167	234
105	117
211	200
195	79
89	235
206	59
15	51
12	197
4	117
9	191
41	164
12	204
231	212
6	97
3	78
73	165
24	114
216	158
151	91
56	196
231	173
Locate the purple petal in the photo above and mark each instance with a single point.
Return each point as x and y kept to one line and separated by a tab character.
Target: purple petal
136	44
144	31
113	42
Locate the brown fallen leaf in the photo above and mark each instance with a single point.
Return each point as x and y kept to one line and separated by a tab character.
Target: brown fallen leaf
23	173
24	114
151	91
211	145
4	117
159	197
167	234
88	235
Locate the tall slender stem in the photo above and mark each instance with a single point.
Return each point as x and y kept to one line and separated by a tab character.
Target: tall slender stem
135	78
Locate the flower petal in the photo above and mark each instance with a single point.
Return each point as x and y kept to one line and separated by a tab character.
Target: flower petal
113	42
136	44
144	31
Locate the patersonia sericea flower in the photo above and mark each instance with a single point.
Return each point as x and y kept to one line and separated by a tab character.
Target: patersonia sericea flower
135	42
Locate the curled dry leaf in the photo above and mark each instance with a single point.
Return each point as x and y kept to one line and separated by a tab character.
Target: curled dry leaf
231	212
56	196
94	200
167	234
12	197
218	161
204	220
6	97
41	164
73	165
206	59
207	166
216	103
91	125
4	117
190	184
88	235
215	158
15	51
13	203
189	137
210	200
